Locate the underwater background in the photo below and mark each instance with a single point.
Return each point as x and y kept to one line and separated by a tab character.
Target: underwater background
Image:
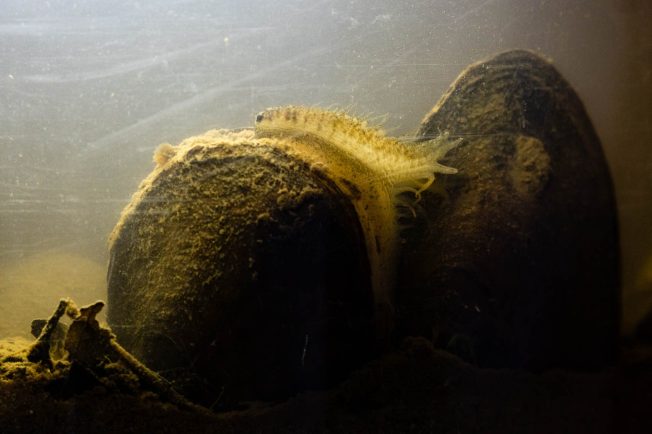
89	89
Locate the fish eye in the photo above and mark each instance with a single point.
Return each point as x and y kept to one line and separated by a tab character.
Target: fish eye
259	117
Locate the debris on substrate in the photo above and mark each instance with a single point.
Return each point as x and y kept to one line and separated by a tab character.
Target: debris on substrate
99	387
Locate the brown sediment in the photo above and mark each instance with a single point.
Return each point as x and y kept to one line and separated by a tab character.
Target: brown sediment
92	358
416	387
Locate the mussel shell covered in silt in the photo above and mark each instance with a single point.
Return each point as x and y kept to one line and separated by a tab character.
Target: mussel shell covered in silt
239	273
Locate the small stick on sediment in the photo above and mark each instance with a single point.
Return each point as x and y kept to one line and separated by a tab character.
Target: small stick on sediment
88	343
39	352
155	382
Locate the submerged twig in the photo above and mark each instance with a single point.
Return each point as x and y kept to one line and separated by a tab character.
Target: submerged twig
90	344
39	352
154	381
